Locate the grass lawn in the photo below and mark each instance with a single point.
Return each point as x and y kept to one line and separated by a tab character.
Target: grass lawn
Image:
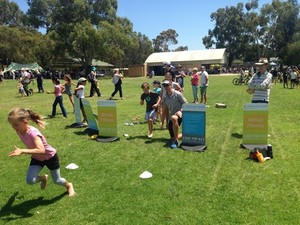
219	186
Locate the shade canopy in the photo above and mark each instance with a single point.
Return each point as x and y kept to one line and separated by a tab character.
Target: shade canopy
18	66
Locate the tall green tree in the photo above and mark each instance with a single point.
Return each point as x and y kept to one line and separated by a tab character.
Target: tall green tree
139	53
278	22
293	48
23	46
116	39
10	15
254	33
252	50
84	41
228	31
164	39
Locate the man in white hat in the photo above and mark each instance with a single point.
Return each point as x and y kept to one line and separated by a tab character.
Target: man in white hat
259	85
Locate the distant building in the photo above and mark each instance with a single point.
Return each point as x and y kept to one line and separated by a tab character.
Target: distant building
187	59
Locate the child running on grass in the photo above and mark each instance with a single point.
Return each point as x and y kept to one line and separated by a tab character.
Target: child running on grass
68	90
152	102
79	93
58	89
42	154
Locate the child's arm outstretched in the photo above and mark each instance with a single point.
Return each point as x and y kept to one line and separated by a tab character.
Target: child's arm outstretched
39	148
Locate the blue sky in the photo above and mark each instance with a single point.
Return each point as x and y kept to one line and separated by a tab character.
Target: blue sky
189	18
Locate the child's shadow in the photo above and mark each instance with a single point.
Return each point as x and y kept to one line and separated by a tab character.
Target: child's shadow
11	212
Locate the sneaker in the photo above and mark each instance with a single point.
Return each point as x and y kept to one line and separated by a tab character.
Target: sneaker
150	135
50	116
174	144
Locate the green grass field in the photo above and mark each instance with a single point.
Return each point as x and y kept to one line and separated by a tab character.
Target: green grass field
219	186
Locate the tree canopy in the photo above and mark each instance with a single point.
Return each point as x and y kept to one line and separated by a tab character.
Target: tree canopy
91	29
248	33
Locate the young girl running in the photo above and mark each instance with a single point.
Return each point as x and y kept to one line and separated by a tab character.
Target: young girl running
67	85
58	89
42	154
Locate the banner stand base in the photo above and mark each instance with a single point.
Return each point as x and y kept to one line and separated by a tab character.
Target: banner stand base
90	131
107	139
78	125
252	146
194	148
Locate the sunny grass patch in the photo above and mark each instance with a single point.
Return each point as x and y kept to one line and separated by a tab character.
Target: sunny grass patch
216	187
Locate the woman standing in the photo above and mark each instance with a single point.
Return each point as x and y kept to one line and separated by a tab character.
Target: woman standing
195	84
117	81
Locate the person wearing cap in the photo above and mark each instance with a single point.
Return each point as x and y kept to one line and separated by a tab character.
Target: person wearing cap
195	84
173	100
117	81
156	86
203	85
94	83
260	83
157	89
169	69
79	93
152	102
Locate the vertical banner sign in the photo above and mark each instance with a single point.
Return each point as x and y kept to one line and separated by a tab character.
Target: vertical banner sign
77	109
255	127
193	124
107	118
92	122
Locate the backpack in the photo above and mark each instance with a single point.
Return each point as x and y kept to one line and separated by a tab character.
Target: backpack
89	78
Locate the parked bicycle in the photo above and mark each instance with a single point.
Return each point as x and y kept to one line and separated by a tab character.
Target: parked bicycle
240	81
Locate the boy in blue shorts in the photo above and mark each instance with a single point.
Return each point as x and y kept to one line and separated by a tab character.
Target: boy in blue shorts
152	102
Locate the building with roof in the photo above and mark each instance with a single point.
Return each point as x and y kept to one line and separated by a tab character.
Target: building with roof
187	59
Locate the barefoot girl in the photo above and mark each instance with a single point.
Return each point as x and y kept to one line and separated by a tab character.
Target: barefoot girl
42	154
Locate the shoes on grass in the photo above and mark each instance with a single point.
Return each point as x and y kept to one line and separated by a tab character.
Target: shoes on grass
174	144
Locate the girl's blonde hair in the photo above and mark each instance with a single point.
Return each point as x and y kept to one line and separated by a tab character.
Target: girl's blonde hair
18	114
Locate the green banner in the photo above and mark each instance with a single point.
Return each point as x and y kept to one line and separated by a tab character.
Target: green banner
255	127
92	122
107	118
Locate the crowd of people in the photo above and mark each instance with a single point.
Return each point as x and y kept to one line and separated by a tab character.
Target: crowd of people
165	101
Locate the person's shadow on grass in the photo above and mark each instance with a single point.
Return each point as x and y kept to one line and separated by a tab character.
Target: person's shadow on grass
237	135
11	212
148	140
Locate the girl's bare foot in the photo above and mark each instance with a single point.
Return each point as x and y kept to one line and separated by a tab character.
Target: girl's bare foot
70	189
44	180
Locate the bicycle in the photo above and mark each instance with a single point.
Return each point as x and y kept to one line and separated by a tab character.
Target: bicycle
239	81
